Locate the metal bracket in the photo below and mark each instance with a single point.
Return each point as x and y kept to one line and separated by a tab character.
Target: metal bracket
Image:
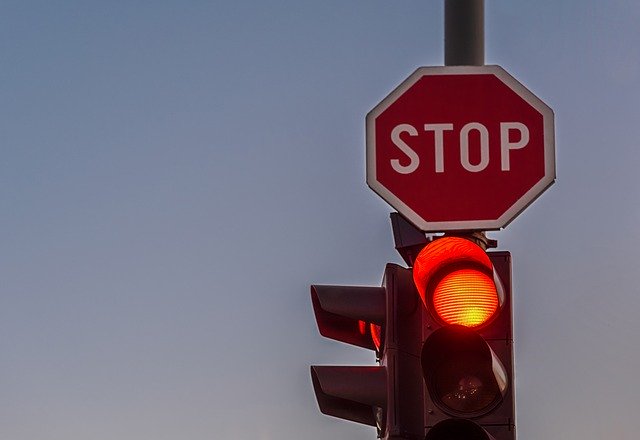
409	240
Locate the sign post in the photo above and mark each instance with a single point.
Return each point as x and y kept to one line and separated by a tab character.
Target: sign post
464	32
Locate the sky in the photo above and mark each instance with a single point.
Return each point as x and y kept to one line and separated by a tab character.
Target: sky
174	175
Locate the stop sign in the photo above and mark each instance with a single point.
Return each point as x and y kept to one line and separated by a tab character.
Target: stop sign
459	148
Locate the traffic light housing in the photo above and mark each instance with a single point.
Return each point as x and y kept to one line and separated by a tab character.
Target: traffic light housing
441	331
467	354
349	314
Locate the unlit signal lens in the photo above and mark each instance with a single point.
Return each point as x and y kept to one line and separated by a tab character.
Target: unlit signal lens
463	375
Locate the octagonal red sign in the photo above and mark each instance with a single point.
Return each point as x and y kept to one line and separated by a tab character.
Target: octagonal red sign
462	147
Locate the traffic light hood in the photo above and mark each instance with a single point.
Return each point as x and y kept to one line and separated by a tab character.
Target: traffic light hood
341	312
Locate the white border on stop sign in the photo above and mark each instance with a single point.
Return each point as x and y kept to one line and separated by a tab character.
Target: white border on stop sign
474	224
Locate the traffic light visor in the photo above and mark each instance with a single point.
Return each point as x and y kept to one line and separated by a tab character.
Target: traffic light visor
344	313
456	281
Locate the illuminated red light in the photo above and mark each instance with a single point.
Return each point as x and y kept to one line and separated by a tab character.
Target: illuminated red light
453	277
467	297
375	331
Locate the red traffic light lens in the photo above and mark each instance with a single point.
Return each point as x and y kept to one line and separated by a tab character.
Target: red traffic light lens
454	277
467	297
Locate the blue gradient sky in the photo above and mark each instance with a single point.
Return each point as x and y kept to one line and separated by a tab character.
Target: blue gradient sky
175	174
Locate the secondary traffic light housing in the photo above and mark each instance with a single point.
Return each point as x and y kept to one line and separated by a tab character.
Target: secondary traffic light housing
388	320
348	314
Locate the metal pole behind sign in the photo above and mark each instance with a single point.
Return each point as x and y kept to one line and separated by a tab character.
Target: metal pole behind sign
464	46
464	32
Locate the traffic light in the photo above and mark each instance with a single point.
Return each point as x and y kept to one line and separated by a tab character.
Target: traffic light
351	315
441	331
467	354
385	319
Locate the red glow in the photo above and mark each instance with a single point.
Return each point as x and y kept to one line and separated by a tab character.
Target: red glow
375	331
465	294
376	336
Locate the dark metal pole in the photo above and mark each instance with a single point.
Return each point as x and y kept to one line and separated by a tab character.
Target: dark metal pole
463	32
464	46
